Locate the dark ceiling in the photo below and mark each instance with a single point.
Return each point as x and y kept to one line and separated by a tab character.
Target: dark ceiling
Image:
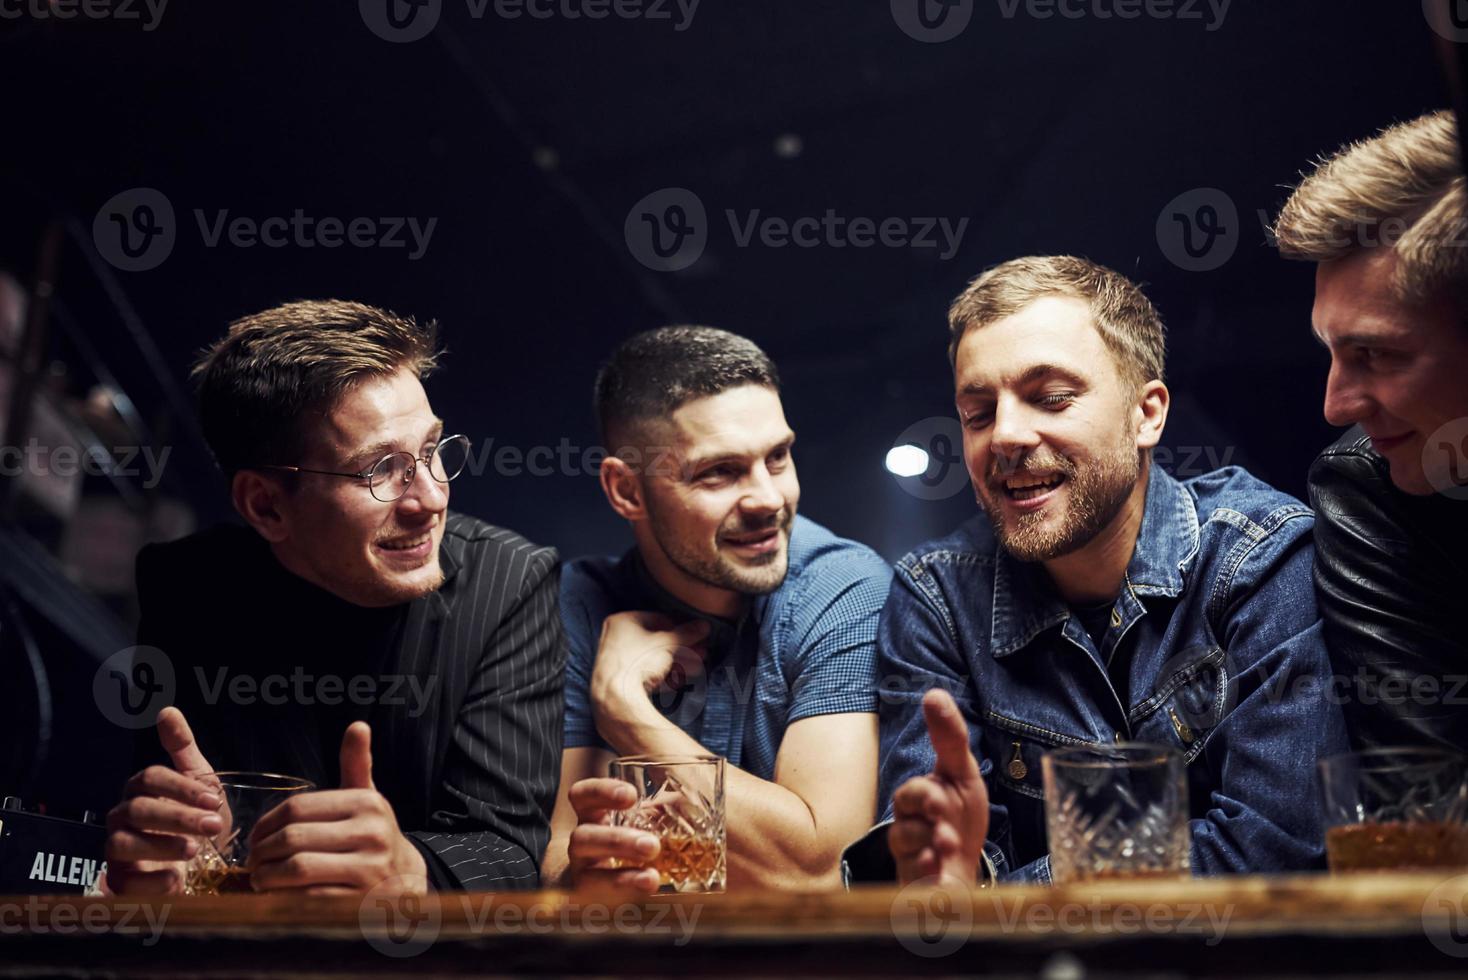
530	139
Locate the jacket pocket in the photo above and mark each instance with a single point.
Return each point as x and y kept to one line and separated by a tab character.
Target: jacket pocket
1189	701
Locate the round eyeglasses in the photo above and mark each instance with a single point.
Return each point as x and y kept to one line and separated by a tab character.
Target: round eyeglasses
390	477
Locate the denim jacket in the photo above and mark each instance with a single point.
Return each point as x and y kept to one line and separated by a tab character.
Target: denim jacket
1214	648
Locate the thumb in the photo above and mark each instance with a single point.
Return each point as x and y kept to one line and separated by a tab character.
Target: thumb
178	741
356	756
949	734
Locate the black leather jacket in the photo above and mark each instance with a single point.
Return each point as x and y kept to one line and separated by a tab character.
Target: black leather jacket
1390	576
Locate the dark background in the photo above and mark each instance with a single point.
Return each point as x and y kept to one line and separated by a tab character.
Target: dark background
530	140
1049	135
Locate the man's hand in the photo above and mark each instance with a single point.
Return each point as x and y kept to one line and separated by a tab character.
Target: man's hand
335	842
941	820
155	829
639	652
595	842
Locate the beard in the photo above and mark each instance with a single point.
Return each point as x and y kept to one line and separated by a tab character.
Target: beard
1095	492
752	577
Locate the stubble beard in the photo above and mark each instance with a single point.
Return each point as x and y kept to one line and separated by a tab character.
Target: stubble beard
1095	492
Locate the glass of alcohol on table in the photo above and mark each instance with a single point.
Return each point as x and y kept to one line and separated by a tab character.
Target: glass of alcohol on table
1395	809
1116	811
218	867
680	800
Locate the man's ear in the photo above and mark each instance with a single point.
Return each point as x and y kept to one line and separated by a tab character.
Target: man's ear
260	500
623	487
1151	414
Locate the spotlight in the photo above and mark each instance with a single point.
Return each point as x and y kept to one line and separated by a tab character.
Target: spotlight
908	460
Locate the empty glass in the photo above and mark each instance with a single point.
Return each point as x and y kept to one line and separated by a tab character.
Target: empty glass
1116	811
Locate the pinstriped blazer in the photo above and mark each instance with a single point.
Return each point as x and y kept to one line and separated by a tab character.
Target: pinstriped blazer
463	687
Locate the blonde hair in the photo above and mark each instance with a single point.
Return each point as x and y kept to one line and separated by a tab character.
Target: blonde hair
1404	188
1126	319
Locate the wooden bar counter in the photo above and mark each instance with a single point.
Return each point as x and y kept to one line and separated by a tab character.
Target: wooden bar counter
1358	925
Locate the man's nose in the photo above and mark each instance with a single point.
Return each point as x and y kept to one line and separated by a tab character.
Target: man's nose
1346	403
1014	429
762	494
424	494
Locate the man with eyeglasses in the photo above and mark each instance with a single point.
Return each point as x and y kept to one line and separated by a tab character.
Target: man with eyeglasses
355	613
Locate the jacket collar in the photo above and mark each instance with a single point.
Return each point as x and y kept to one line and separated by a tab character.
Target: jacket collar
1026	604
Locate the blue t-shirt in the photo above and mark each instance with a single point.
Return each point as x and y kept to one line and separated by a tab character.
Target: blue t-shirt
808	648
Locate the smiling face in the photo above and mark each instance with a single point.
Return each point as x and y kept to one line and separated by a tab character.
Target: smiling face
720	501
1051	430
1396	369
335	533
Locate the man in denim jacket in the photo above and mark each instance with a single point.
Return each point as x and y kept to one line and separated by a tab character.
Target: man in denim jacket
1097	599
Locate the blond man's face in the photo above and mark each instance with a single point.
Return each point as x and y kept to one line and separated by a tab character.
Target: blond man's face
1397	370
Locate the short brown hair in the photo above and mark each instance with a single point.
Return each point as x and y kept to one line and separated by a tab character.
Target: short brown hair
650	375
274	367
1403	188
1124	316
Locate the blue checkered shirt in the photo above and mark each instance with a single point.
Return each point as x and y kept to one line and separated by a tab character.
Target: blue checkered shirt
806	649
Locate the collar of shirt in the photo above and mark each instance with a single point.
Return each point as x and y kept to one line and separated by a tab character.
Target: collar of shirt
1025	603
724	634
